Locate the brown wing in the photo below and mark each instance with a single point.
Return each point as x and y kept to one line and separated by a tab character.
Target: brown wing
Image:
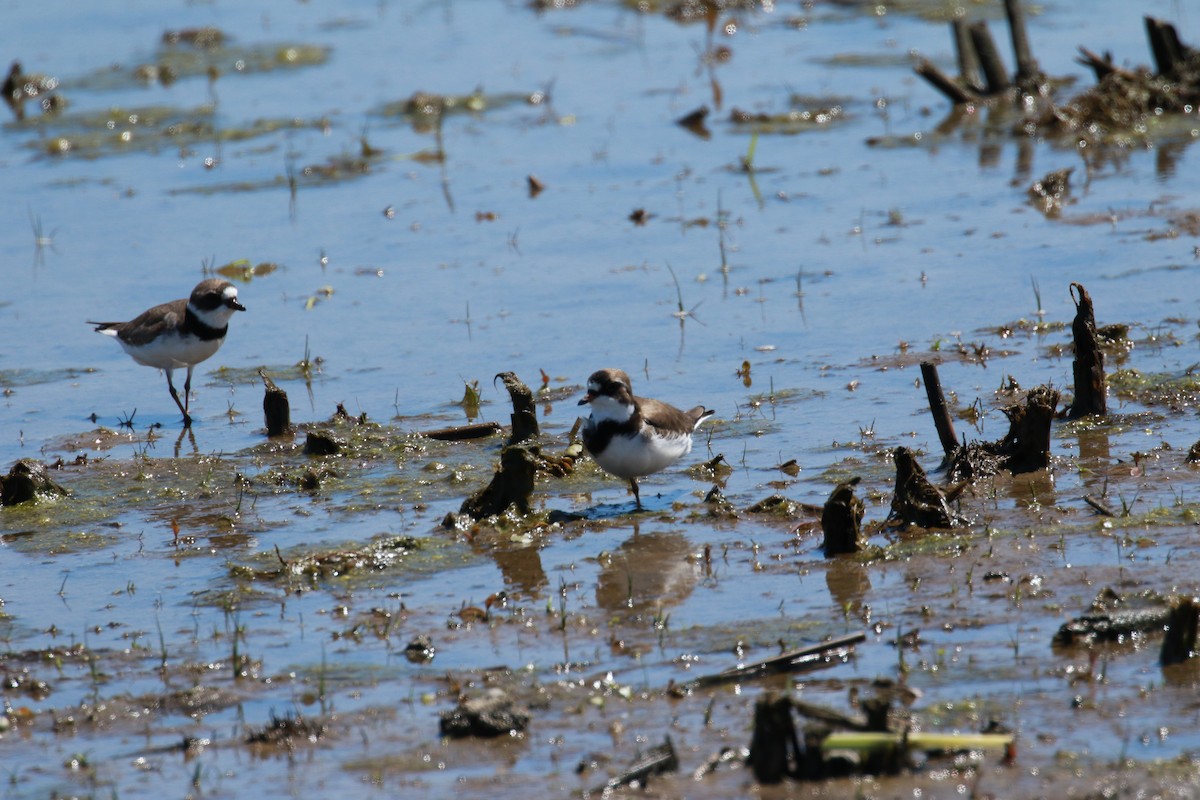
149	324
667	418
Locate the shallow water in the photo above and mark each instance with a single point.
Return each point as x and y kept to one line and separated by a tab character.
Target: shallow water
852	252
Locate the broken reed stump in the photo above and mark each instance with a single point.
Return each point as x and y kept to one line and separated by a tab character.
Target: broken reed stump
1091	392
916	501
1027	66
995	78
841	520
511	485
938	408
276	410
524	416
1026	448
1183	621
1169	52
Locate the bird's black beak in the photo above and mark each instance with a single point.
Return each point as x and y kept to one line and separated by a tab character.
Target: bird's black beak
587	398
234	304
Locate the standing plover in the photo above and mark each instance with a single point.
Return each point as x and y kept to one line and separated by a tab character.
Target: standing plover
179	334
634	436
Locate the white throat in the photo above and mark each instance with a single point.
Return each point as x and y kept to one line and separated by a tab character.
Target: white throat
217	318
605	408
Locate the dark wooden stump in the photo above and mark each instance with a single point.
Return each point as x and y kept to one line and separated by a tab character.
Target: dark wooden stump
775	751
1091	392
841	520
1182	623
321	444
276	410
916	501
989	58
511	485
25	481
1026	448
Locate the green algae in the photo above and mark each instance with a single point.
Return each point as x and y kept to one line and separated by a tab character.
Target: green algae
1155	389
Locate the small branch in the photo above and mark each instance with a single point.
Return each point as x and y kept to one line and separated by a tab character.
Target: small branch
943	83
806	658
460	433
1100	507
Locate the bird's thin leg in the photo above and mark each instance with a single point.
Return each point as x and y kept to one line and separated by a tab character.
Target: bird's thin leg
187	420
187	390
637	496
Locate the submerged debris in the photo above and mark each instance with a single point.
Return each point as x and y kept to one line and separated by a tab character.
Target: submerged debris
320	443
1048	193
26	481
420	650
1113	619
777	505
379	554
656	761
494	714
286	731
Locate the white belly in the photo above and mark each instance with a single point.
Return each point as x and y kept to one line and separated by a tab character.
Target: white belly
633	457
173	352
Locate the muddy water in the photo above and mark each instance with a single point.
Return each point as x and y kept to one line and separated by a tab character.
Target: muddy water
197	585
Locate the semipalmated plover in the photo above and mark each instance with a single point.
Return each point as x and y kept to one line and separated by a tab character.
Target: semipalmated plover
634	436
179	334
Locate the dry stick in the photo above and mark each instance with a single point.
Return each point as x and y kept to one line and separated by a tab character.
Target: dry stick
989	58
1102	65
1099	506
793	661
943	83
968	59
460	433
937	407
1027	66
